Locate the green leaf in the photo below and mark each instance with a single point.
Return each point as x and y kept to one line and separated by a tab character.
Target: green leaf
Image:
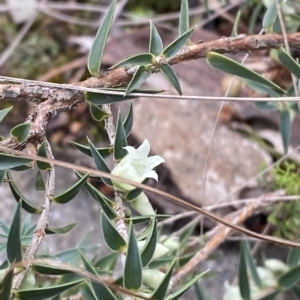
268	106
100	99
176	45
39	182
100	163
144	219
112	237
71	192
45	292
270	17
183	289
261	89
150	246
20	132
8	161
14	245
104	152
2	176
4	112
142	59
184	22
107	262
290	278
138	78
289	62
43	152
285	129
230	66
155	44
128	121
256	13
4	228
96	52
103	201
133	265
101	291
271	296
50	270
60	230
243	276
97	113
293	258
170	74
6	284
250	263
186	234
160	292
26	204
120	140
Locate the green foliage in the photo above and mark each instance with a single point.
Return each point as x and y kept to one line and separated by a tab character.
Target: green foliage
285	215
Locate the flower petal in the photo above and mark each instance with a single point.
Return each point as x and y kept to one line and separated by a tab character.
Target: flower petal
142	205
154	161
144	149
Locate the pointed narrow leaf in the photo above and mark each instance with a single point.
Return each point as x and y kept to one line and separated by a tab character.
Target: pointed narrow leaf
235	28
6	284
45	292
14	245
128	121
155	44
243	276
261	89
4	228
100	99
108	262
269	106
26	204
39	182
20	132
250	263
150	246
97	113
290	278
142	59
160	292
101	291
171	76
50	270
186	234
293	258
144	219
176	46
70	193
96	52
139	77
4	112
289	62
42	151
120	140
183	289
285	129
86	293
184	22
104	152
270	17
60	230
100	163
133	265
136	192
112	237
103	201
230	66
8	161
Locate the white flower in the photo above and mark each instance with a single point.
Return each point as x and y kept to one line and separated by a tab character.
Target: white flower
142	205
136	166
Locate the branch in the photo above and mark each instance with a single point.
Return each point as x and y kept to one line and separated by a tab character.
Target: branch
39	232
50	100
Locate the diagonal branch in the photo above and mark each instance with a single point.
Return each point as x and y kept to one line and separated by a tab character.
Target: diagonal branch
50	100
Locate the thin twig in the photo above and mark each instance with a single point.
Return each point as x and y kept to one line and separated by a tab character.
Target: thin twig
166	195
39	232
